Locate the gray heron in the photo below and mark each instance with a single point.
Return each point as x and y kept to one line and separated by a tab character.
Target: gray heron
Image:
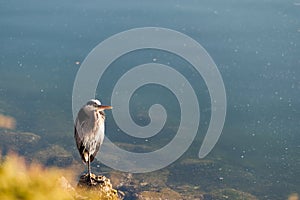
89	131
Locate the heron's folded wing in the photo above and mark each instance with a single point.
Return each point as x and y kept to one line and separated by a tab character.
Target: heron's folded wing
95	152
78	134
81	124
99	141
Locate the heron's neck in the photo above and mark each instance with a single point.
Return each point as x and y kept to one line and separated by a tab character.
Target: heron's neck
98	117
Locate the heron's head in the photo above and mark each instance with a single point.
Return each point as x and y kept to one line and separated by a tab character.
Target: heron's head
96	104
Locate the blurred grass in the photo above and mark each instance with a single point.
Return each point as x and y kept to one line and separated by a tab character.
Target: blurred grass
31	181
19	180
7	122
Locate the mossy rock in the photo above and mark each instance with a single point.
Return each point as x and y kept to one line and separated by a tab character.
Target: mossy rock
231	194
165	193
156	179
99	187
202	162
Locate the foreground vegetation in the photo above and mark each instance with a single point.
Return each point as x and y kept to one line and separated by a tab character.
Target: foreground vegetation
22	181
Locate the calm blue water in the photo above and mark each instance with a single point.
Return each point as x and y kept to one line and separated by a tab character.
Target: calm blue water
255	45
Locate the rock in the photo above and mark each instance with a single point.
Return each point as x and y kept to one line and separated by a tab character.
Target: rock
119	179
19	142
133	184
54	155
151	186
99	187
154	180
165	193
190	192
125	183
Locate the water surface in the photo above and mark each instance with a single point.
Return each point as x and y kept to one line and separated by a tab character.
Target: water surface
255	45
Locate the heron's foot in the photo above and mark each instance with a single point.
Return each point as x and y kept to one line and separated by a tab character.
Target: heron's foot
92	179
88	179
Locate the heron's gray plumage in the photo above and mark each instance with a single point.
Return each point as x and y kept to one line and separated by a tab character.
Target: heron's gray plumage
89	133
89	130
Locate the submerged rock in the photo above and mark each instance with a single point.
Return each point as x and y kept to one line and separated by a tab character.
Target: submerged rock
135	184
190	192
54	155
19	142
153	185
126	183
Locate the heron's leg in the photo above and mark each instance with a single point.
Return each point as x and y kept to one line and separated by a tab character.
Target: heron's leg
89	168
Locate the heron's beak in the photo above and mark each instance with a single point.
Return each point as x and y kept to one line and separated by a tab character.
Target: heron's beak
102	107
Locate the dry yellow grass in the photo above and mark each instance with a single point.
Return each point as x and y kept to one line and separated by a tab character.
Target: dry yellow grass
21	181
